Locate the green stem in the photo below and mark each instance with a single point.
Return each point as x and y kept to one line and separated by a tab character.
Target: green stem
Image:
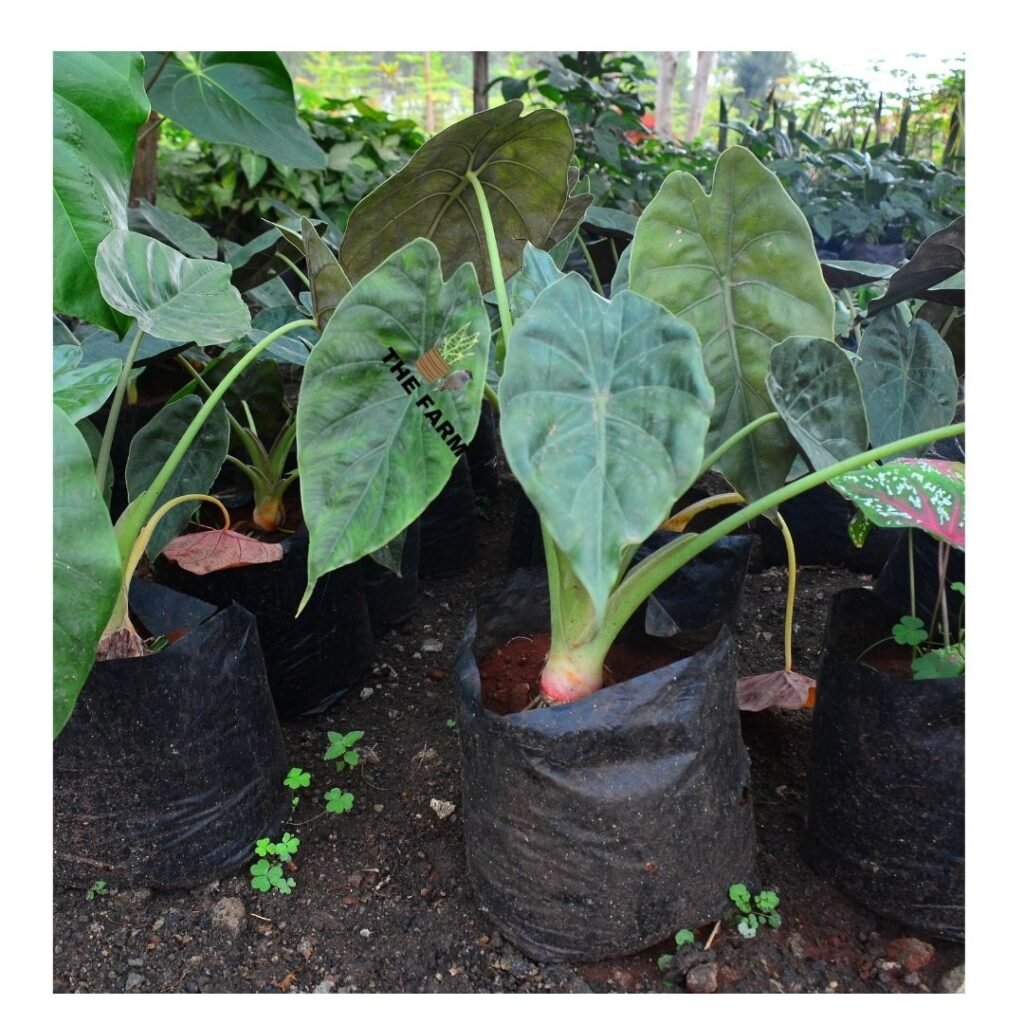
910	567
504	312
790	593
492	396
646	577
291	263
103	459
136	515
595	277
711	459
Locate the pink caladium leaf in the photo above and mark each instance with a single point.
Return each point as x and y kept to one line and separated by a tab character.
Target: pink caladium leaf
926	493
782	689
213	550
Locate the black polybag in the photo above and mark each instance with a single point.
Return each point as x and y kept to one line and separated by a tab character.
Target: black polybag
171	765
448	526
390	597
818	521
482	456
600	827
885	811
313	660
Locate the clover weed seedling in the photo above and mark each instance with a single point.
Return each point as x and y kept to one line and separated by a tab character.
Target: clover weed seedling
342	751
98	888
754	910
684	937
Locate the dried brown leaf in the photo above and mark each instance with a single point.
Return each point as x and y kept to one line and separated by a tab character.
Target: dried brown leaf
779	689
213	550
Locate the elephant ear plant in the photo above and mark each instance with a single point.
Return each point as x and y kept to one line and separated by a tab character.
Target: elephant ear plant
719	355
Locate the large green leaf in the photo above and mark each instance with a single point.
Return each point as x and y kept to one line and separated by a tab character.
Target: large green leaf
184	234
604	410
740	266
926	493
168	294
86	566
243	98
522	164
81	390
908	378
814	387
196	472
376	440
98	104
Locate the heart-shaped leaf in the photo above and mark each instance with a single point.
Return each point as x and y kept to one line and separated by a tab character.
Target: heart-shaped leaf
604	409
98	104
170	295
327	281
926	493
99	344
196	472
81	390
293	347
938	257
86	566
908	378
539	270
243	98
740	266
214	550
814	387
376	440
186	235
522	164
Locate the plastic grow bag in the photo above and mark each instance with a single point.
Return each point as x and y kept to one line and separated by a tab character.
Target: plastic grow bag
313	660
885	821
390	598
482	456
448	526
600	827
170	767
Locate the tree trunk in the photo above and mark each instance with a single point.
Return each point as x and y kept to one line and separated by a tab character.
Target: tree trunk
667	65
699	94
144	172
428	101
480	76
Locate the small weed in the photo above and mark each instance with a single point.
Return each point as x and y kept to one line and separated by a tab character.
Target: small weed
450	723
341	749
684	937
337	802
754	910
98	888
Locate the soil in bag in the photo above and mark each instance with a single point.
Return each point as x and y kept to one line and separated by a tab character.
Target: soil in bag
170	767
390	597
600	827
885	820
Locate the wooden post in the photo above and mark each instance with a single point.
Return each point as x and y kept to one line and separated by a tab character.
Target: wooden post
480	76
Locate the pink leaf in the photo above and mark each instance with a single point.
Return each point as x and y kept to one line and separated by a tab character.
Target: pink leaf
213	550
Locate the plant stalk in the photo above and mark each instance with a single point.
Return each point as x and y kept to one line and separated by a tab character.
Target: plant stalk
137	514
103	459
504	311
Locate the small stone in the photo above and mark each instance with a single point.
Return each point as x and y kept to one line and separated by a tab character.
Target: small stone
431	645
795	943
954	980
913	979
325	986
378	808
911	954
140	897
442	808
426	757
702	978
134	981
364	932
416	656
228	914
366	692
136	961
305	947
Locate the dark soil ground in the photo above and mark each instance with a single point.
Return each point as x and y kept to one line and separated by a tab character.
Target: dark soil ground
381	902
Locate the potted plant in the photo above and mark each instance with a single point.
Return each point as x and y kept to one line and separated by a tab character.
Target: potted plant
885	813
591	818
